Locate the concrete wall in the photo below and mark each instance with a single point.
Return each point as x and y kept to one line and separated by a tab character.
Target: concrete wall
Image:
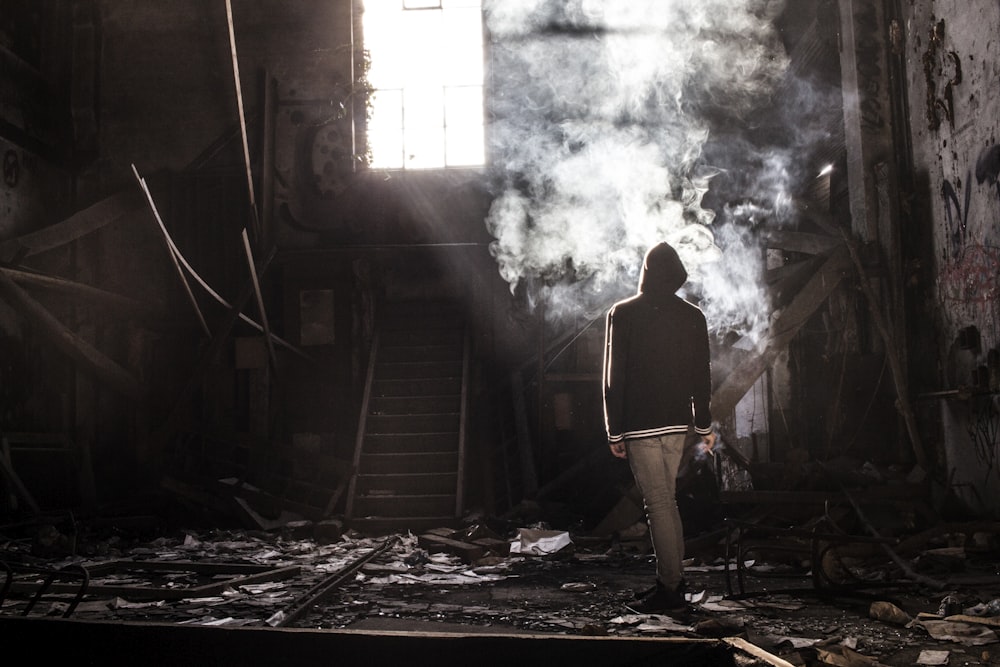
952	54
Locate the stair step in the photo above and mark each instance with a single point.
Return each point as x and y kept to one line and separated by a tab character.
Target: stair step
404	505
432	423
435	386
386	464
408	460
388	354
410	443
404	370
407	484
414	405
429	336
413	315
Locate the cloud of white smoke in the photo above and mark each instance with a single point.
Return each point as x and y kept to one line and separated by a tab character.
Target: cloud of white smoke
600	114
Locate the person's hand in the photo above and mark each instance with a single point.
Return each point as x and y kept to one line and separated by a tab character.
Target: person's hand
618	449
708	441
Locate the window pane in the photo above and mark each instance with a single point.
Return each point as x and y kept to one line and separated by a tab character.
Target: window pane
464	106
417	52
464	146
385	129
464	126
424	148
427	58
421	4
464	31
423	107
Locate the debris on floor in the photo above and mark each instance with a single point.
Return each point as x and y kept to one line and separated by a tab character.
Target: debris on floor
827	592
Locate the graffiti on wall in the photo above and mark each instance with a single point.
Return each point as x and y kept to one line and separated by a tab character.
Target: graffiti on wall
972	270
972	277
984	432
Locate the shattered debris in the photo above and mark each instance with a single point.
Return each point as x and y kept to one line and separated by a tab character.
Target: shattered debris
874	605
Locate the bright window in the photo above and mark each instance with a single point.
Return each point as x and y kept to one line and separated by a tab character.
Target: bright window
426	66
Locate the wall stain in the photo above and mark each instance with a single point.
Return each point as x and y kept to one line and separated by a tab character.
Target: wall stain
950	68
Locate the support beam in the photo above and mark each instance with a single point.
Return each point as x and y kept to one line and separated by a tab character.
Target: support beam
864	70
72	228
809	244
208	356
126	306
260	301
783	330
173	255
78	349
243	121
225	304
13	480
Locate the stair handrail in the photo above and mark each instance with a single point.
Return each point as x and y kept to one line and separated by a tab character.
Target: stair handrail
362	426
462	410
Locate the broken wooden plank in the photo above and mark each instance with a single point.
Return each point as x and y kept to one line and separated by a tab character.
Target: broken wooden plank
13	480
267	502
225	304
75	347
493	545
803	242
242	119
72	228
173	255
254	280
893	356
127	306
788	323
626	512
469	553
208	356
338	493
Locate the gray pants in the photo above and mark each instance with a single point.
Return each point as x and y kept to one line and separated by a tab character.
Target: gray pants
654	463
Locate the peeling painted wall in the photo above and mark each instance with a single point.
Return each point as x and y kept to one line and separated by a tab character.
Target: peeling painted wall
953	72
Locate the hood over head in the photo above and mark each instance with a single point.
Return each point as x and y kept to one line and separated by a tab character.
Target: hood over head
662	271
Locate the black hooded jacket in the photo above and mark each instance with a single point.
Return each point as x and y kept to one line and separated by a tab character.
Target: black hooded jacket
657	369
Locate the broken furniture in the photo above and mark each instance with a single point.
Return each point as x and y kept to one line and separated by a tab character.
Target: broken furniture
24	579
71	571
745	537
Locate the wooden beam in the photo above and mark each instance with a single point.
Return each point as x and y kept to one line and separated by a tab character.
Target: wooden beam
267	168
783	330
13	480
78	349
809	244
127	306
243	121
170	251
786	281
208	356
225	304
260	301
894	356
72	228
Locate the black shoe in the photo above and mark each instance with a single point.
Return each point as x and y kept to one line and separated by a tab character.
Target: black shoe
645	593
663	600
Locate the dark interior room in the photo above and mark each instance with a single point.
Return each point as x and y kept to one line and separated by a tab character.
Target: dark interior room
306	312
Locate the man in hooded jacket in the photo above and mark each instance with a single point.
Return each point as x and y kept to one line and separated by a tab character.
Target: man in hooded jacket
657	385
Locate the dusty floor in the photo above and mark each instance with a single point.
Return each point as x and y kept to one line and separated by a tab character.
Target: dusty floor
392	582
